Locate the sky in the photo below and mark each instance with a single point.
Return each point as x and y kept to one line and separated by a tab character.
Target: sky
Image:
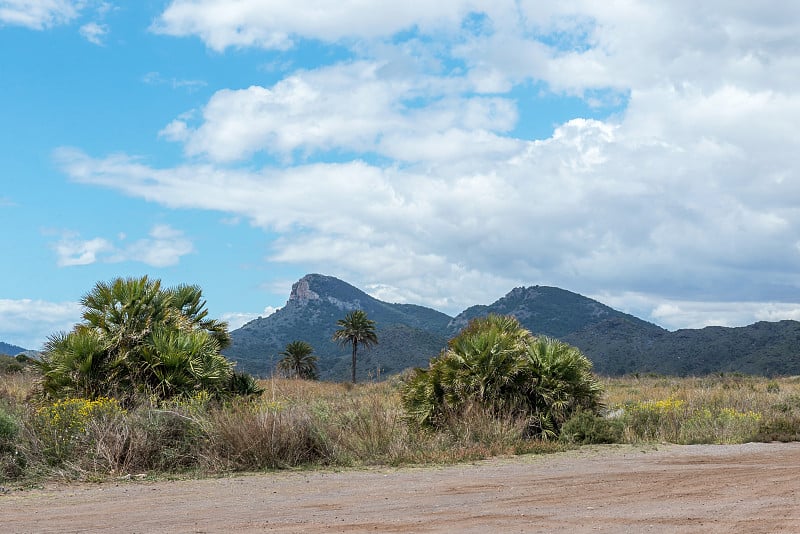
641	153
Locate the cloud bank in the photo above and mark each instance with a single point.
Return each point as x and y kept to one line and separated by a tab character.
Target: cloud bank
404	166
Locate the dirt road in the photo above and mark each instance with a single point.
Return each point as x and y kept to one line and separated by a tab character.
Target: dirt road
742	488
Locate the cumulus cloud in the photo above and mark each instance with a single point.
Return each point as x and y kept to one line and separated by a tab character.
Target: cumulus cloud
72	250
354	107
94	33
274	24
164	247
400	169
39	14
27	323
238	319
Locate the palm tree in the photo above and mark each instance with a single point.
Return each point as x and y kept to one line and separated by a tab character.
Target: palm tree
138	339
356	328
500	365
299	361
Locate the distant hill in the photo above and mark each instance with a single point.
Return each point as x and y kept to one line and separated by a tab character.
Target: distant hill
763	348
10	350
551	311
409	335
619	343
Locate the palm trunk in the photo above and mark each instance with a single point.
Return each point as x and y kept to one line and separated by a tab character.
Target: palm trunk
355	347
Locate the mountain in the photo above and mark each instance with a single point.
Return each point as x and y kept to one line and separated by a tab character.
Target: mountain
10	350
619	343
551	311
408	335
613	340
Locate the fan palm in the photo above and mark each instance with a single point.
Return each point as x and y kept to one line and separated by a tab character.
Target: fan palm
356	328
138	338
500	365
299	361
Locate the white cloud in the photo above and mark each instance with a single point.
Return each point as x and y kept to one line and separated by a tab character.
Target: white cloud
675	314
27	323
238	319
39	14
94	33
689	192
353	107
71	250
274	24
163	248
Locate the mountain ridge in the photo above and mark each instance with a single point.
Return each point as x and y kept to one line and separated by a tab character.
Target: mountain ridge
315	303
11	350
409	335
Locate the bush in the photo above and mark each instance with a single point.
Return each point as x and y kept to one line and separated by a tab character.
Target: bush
659	420
11	365
497	364
586	428
62	429
12	462
784	428
138	341
724	426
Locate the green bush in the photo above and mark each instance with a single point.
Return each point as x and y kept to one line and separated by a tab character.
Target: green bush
10	365
720	426
784	428
586	428
8	429
12	462
140	341
497	364
655	420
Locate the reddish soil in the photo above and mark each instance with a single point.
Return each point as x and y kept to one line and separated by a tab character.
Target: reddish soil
741	488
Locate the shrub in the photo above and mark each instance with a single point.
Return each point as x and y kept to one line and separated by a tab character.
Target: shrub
659	420
724	426
138	341
258	436
11	365
12	461
782	427
61	429
586	428
497	364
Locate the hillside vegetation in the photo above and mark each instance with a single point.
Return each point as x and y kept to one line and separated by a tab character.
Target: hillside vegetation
310	423
617	343
140	385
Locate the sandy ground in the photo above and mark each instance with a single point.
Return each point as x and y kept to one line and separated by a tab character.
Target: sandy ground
741	488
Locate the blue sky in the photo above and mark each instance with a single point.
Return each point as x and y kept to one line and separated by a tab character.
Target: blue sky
439	153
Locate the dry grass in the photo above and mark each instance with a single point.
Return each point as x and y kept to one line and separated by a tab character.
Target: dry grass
297	423
711	409
17	388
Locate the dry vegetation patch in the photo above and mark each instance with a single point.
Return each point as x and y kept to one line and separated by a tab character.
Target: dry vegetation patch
296	423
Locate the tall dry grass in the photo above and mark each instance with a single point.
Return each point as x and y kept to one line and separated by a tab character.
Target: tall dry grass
297	423
712	409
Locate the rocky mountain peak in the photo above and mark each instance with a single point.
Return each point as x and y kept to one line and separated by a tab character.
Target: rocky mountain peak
523	292
301	290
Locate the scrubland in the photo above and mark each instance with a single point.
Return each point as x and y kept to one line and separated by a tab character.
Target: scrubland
308	424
